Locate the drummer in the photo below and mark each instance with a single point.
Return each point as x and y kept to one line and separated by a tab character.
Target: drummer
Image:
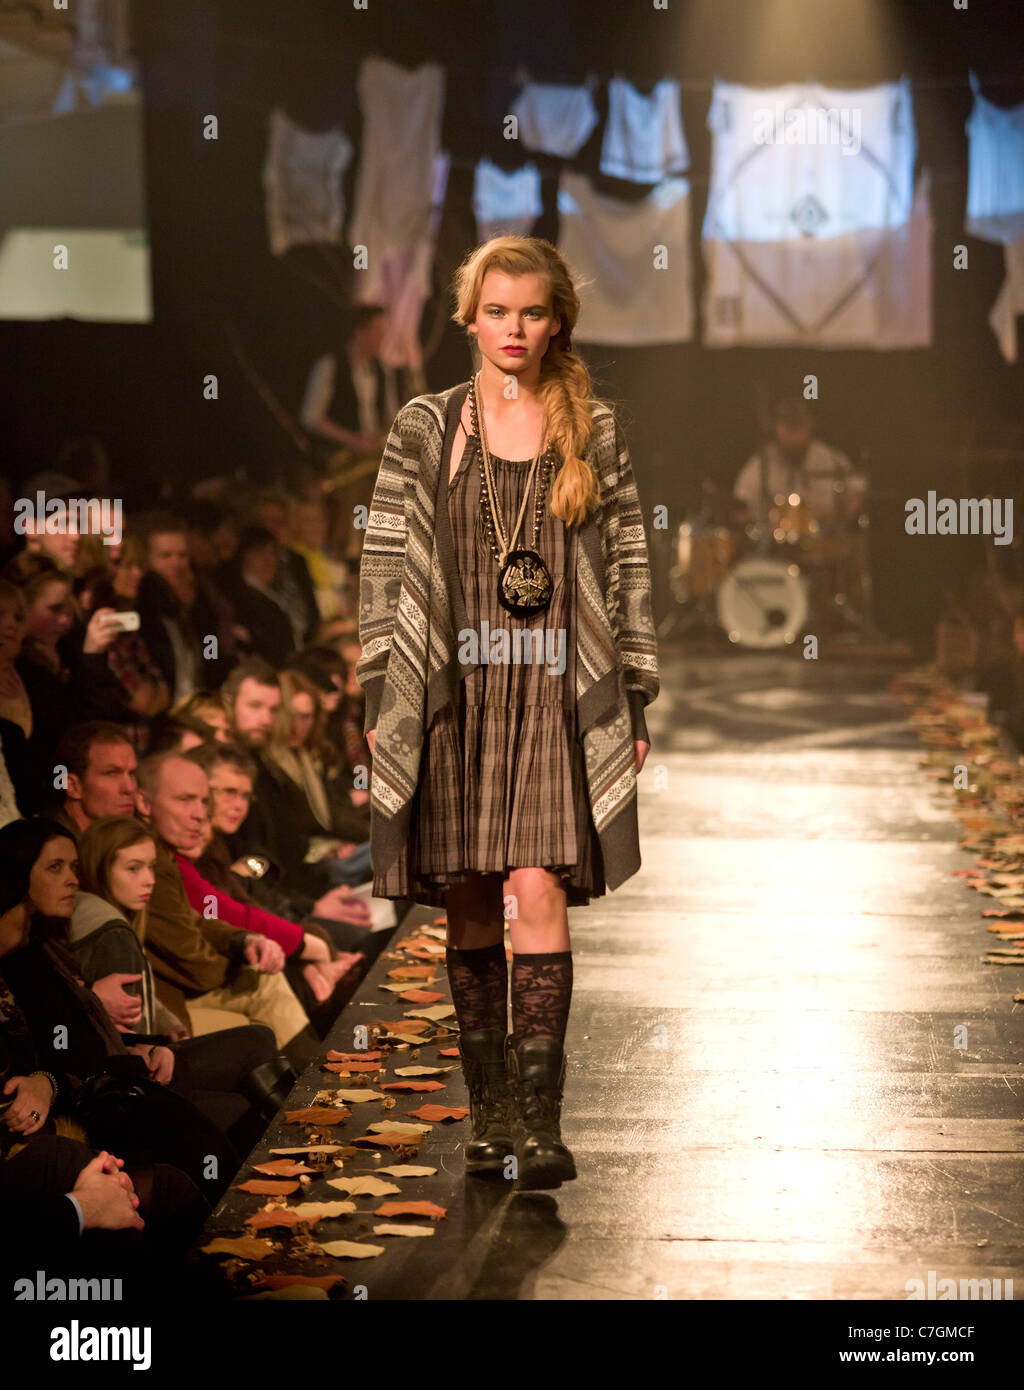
794	463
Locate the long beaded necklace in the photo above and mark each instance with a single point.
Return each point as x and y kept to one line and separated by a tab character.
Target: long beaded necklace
524	581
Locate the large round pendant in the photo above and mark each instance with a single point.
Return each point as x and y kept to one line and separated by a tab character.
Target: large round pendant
524	584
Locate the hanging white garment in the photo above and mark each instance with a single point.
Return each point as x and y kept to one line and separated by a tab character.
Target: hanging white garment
614	245
400	189
812	219
643	136
555	118
401	141
995	203
506	202
995	170
302	176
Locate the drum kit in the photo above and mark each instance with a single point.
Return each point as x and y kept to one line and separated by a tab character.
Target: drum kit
769	582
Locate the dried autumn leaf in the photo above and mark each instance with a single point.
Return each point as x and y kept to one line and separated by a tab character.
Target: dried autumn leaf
308	1149
423	1071
316	1115
323	1211
435	1012
242	1247
274	1216
388	1141
363	1187
413	1086
398	1127
264	1187
421	996
333	1056
412	972
436	1113
410	1230
408	1170
358	1097
352	1068
351	1250
283	1168
430	1209
407	1025
448	1052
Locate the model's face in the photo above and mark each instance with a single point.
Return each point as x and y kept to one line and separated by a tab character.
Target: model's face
49	615
132	877
514	311
177	808
53	881
231	791
254	711
107	787
12	630
168	557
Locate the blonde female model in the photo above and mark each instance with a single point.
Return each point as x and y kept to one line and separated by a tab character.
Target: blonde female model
508	652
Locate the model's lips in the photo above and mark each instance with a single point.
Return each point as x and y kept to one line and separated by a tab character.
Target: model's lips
516	350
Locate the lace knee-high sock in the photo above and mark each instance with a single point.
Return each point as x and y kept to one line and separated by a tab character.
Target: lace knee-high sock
479	981
541	994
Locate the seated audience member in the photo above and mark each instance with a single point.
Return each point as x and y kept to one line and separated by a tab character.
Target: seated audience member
15	705
212	535
309	771
65	681
309	540
293	583
58	544
177	734
344	705
251	591
12	763
100	765
201	964
232	773
117	587
113	1088
107	937
82	1214
252	698
180	613
315	968
205	711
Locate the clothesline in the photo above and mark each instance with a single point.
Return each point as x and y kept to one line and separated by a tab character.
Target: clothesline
328	55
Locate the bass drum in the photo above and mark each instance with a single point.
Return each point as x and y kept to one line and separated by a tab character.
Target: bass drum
763	602
703	557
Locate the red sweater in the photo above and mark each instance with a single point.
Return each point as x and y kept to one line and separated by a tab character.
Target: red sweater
288	935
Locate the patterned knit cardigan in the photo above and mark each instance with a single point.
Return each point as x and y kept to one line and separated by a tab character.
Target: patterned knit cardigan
412	609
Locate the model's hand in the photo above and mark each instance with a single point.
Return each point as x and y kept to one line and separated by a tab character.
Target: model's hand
640	750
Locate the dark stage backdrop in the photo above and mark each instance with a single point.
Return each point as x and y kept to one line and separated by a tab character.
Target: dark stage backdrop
690	412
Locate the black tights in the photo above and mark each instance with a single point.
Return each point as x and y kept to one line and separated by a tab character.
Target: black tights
541	990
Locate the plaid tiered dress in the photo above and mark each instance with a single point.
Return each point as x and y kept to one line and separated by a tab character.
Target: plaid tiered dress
502	781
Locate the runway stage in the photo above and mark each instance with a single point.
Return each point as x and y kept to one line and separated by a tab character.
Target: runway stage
765	1096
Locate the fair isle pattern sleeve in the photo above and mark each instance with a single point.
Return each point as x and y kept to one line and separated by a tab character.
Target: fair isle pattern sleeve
628	577
380	572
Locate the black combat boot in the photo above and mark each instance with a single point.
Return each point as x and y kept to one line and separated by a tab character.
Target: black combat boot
537	1067
491	1102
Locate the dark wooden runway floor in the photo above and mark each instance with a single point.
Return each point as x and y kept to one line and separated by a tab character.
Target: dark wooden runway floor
766	1095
